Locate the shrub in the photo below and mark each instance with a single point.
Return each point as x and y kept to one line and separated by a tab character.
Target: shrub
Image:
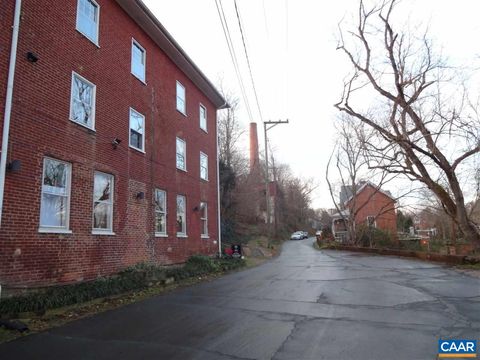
133	278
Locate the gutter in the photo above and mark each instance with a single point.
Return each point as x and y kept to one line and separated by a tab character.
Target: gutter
8	102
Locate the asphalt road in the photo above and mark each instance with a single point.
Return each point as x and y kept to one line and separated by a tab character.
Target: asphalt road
305	304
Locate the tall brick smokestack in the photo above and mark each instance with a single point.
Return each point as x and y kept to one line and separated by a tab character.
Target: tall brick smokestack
254	156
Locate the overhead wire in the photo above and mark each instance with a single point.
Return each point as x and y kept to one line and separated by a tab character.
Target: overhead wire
248	59
228	38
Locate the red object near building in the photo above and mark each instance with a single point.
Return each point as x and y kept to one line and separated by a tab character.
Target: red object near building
114	128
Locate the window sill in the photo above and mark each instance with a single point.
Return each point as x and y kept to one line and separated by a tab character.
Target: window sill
181	112
161	235
205	180
94	42
54	231
100	232
182	236
140	79
137	149
184	170
204	130
83	125
204	237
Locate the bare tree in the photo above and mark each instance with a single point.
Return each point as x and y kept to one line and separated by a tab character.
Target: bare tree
418	116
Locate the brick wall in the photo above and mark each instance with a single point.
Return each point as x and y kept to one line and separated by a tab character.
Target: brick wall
41	127
372	202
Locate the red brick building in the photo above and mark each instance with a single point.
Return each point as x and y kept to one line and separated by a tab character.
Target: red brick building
114	128
371	206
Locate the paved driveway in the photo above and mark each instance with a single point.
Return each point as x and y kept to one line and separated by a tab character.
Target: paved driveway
305	304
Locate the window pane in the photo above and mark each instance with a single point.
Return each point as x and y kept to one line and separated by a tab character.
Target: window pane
180	98
55	194
160	201
53	210
55	176
180	154
160	226
181	225
138	61
82	101
136	140
88	19
102	215
203	118
102	187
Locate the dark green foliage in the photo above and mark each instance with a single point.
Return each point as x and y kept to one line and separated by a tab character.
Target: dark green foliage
133	278
404	222
373	237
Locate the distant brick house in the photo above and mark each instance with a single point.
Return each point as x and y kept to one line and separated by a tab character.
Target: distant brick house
371	207
114	128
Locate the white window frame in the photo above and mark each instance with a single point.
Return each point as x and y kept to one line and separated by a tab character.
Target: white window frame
142	149
203	121
141	76
184	154
205	157
184	99
68	182
182	233
158	212
109	230
94	90
204	220
77	25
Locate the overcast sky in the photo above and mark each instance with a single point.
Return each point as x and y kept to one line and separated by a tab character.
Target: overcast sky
295	66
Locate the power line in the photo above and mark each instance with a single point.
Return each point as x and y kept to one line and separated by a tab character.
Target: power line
226	32
248	59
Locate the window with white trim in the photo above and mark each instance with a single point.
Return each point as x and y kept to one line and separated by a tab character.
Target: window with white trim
55	200
138	60
371	222
181	216
88	13
203	117
203	166
137	130
181	98
160	199
103	202
82	101
181	154
204	219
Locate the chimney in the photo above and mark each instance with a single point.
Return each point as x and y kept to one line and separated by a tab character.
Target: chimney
254	157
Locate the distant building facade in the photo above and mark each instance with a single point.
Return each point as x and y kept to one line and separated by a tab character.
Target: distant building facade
368	205
112	149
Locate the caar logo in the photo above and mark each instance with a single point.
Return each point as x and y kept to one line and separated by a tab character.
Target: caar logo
457	349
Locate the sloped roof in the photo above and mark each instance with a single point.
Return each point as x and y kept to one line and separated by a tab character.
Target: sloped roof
144	18
363	187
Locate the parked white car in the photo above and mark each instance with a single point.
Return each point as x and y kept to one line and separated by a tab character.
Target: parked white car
297	235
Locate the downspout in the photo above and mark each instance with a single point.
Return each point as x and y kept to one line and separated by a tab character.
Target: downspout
218	192
8	102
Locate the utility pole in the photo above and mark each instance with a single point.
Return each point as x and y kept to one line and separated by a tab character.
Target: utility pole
267	125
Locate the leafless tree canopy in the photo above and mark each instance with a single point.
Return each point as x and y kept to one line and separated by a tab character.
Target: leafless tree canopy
425	126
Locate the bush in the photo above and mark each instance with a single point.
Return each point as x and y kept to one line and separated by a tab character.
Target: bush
373	237
134	278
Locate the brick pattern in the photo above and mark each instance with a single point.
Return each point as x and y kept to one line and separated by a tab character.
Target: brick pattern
371	202
41	127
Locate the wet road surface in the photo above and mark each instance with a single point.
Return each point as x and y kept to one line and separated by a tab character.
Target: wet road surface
306	304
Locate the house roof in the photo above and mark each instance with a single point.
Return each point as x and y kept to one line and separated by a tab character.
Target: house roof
144	18
363	187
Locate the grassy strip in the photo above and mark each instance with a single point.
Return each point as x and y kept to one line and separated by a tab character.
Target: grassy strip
135	278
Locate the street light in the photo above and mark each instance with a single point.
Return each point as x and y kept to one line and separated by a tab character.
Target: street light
267	197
